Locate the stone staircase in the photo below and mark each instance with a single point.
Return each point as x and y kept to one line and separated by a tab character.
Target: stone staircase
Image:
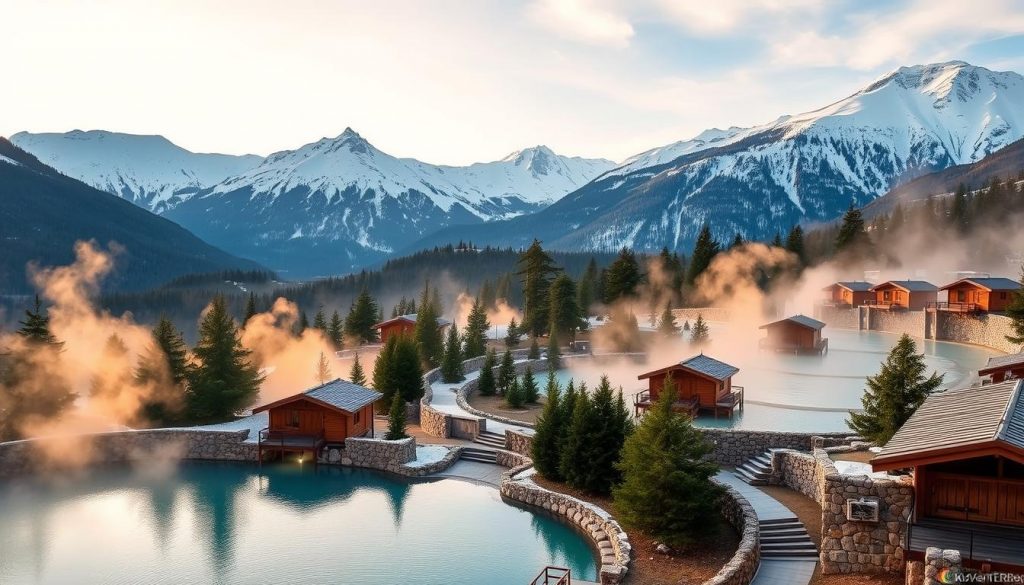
479	455
489	439
785	539
756	471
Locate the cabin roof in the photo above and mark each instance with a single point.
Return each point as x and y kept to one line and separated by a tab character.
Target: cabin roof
699	364
908	285
410	318
851	285
802	320
989	284
1002	361
958	424
337	394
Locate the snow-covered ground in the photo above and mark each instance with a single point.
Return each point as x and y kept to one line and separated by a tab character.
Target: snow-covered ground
444	401
858	468
427	454
254	423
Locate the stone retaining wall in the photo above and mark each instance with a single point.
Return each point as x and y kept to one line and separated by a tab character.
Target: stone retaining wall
802	472
899	322
735	447
743	565
843	318
936	560
989	330
519	442
30	455
378	453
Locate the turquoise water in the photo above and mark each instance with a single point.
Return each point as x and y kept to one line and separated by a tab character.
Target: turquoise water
227	523
801	393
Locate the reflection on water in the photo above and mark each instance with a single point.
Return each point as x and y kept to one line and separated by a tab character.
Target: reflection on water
803	393
230	523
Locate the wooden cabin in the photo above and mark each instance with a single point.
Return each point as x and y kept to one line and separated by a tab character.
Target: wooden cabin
1003	367
796	334
402	325
965	448
321	416
974	295
703	384
848	294
914	295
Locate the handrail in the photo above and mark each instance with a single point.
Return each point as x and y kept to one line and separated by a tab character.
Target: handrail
562	574
954	306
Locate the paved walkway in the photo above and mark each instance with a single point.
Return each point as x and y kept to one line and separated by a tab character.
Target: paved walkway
474	471
771	571
443	399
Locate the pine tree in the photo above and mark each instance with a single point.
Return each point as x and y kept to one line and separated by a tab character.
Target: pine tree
250	308
667	324
528	388
396	419
163	369
704	251
623	277
897	219
407	371
513	335
323	369
506	372
564	312
666	476
545	449
536	269
303	323
113	375
586	292
578	445
361	318
795	244
486	384
384	371
475	343
737	241
534	353
894	394
336	331
356	375
611	427
700	334
451	361
1015	311
554	353
514	394
428	329
35	329
319	321
958	211
226	381
851	232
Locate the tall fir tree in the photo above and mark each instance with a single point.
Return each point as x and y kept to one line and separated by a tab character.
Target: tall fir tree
554	352
545	450
428	330
396	419
361	318
303	323
407	371
586	292
795	244
451	361
250	308
667	323
578	445
336	331
356	374
514	394
486	384
114	373
704	251
894	393
384	371
536	269
666	475
958	211
320	322
506	372
623	277
226	380
564	312
35	328
163	370
530	391
612	425
851	233
513	334
534	353
475	343
700	334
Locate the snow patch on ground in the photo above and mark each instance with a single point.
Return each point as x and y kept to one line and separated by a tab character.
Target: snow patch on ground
858	468
254	424
427	454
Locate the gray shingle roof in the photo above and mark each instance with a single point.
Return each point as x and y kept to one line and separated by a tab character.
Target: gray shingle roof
961	418
910	285
710	367
411	317
344	395
855	285
799	319
997	283
1002	361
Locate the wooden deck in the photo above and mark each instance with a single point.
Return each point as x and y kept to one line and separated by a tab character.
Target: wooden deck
283	442
692	406
820	349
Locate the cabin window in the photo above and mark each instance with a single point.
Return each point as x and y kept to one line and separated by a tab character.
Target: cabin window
961	295
1002	295
886	295
293	419
358	415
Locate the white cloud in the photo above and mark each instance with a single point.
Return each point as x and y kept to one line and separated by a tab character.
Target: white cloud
584	20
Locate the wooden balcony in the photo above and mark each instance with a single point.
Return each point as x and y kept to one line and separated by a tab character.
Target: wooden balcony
285	441
964	308
642	402
883	305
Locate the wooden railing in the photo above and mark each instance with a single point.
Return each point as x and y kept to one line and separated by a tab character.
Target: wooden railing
553	576
954	307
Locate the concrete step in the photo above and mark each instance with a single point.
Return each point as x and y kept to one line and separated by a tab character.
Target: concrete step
778	521
805	544
491	440
789	555
770	538
750	479
756	471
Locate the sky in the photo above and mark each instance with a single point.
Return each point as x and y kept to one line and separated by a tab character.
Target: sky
456	82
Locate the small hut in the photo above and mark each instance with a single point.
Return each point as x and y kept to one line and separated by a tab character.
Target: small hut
402	325
321	416
796	334
978	295
847	294
915	295
703	384
1004	367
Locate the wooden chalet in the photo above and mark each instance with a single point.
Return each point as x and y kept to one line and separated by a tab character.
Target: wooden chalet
966	450
914	295
703	384
402	325
321	416
978	295
847	294
1003	367
796	334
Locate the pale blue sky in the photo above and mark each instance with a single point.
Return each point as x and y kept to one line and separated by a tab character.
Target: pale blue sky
461	81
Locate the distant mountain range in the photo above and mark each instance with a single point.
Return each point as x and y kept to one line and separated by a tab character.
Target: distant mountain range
43	213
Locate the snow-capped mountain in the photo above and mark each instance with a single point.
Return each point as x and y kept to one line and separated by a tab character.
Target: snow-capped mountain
150	171
803	168
340	202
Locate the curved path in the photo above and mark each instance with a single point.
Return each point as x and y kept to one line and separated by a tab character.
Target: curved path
443	399
771	571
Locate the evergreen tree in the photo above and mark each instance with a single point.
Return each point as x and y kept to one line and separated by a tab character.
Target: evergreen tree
564	312
737	241
611	427
361	318
704	251
795	244
666	484
514	394
578	445
586	292
513	334
506	372
407	372
226	381
1015	311
536	269
303	323
546	449
451	362
486	384
323	369
114	375
475	344
534	353
250	308
163	369
356	374
623	277
384	371
35	329
554	353
528	388
777	240
667	324
396	419
700	334
428	331
336	331
958	210
320	322
851	232
894	394
897	219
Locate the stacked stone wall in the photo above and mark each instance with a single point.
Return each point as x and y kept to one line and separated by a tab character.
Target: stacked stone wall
734	447
743	565
843	318
378	453
520	442
898	322
989	330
